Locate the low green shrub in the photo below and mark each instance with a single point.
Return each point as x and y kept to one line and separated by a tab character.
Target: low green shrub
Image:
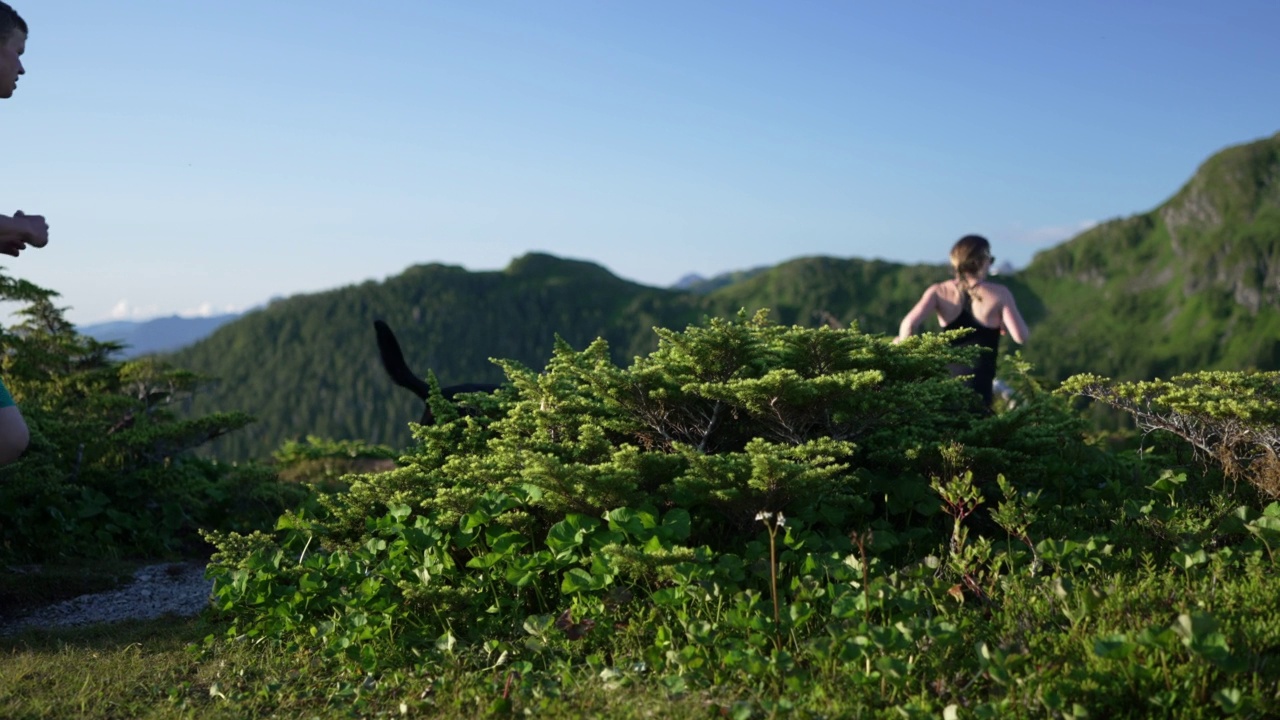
588	479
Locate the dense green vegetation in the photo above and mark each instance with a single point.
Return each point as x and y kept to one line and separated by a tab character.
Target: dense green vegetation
743	523
778	519
1191	285
109	472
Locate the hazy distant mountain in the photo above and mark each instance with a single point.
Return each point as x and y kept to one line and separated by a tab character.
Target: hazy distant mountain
695	283
688	281
143	337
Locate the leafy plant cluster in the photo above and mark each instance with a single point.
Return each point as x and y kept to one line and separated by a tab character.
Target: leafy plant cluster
1016	621
323	462
109	470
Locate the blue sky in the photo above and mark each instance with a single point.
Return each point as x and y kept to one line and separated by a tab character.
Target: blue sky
199	157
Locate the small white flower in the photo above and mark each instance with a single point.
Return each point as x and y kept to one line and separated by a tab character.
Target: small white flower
762	515
782	521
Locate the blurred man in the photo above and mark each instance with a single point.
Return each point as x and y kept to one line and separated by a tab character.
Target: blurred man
18	231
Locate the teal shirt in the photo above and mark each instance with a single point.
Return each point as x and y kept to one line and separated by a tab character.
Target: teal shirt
6	400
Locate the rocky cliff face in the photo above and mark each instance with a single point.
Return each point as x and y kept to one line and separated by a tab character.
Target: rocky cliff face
1225	225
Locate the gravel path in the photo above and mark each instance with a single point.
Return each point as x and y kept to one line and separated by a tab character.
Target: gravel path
156	591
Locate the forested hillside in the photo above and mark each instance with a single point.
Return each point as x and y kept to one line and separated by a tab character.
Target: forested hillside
872	293
309	365
1193	284
1190	285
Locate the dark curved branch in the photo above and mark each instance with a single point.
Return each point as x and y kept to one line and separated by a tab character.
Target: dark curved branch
393	362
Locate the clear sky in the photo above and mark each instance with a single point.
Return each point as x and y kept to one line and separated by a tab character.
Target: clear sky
203	156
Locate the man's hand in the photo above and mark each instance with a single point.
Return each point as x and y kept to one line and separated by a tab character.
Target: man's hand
37	229
12	243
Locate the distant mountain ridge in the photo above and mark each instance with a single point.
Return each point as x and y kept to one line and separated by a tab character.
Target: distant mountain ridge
694	282
165	334
1192	284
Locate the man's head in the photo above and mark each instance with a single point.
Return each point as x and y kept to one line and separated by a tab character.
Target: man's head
13	42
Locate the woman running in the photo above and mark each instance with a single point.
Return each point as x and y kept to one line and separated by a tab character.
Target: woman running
971	301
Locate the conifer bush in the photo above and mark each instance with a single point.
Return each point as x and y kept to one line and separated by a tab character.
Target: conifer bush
1231	419
724	420
109	470
587	482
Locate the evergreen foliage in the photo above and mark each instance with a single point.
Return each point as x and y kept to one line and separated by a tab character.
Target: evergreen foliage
1229	418
109	471
635	475
323	463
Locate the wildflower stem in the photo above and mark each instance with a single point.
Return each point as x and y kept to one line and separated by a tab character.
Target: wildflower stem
773	577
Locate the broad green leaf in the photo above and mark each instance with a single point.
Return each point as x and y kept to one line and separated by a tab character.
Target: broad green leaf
1169	482
676	525
537	625
636	523
577	580
1114	647
504	543
1230	700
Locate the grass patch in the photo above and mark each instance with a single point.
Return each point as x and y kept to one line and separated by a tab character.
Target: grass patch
119	670
164	669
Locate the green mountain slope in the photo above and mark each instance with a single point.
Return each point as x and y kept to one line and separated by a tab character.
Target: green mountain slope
873	293
1192	284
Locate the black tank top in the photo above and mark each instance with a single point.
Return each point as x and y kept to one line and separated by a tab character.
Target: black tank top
984	370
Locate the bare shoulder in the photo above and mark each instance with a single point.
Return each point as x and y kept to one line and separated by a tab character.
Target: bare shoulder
998	290
929	295
944	290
